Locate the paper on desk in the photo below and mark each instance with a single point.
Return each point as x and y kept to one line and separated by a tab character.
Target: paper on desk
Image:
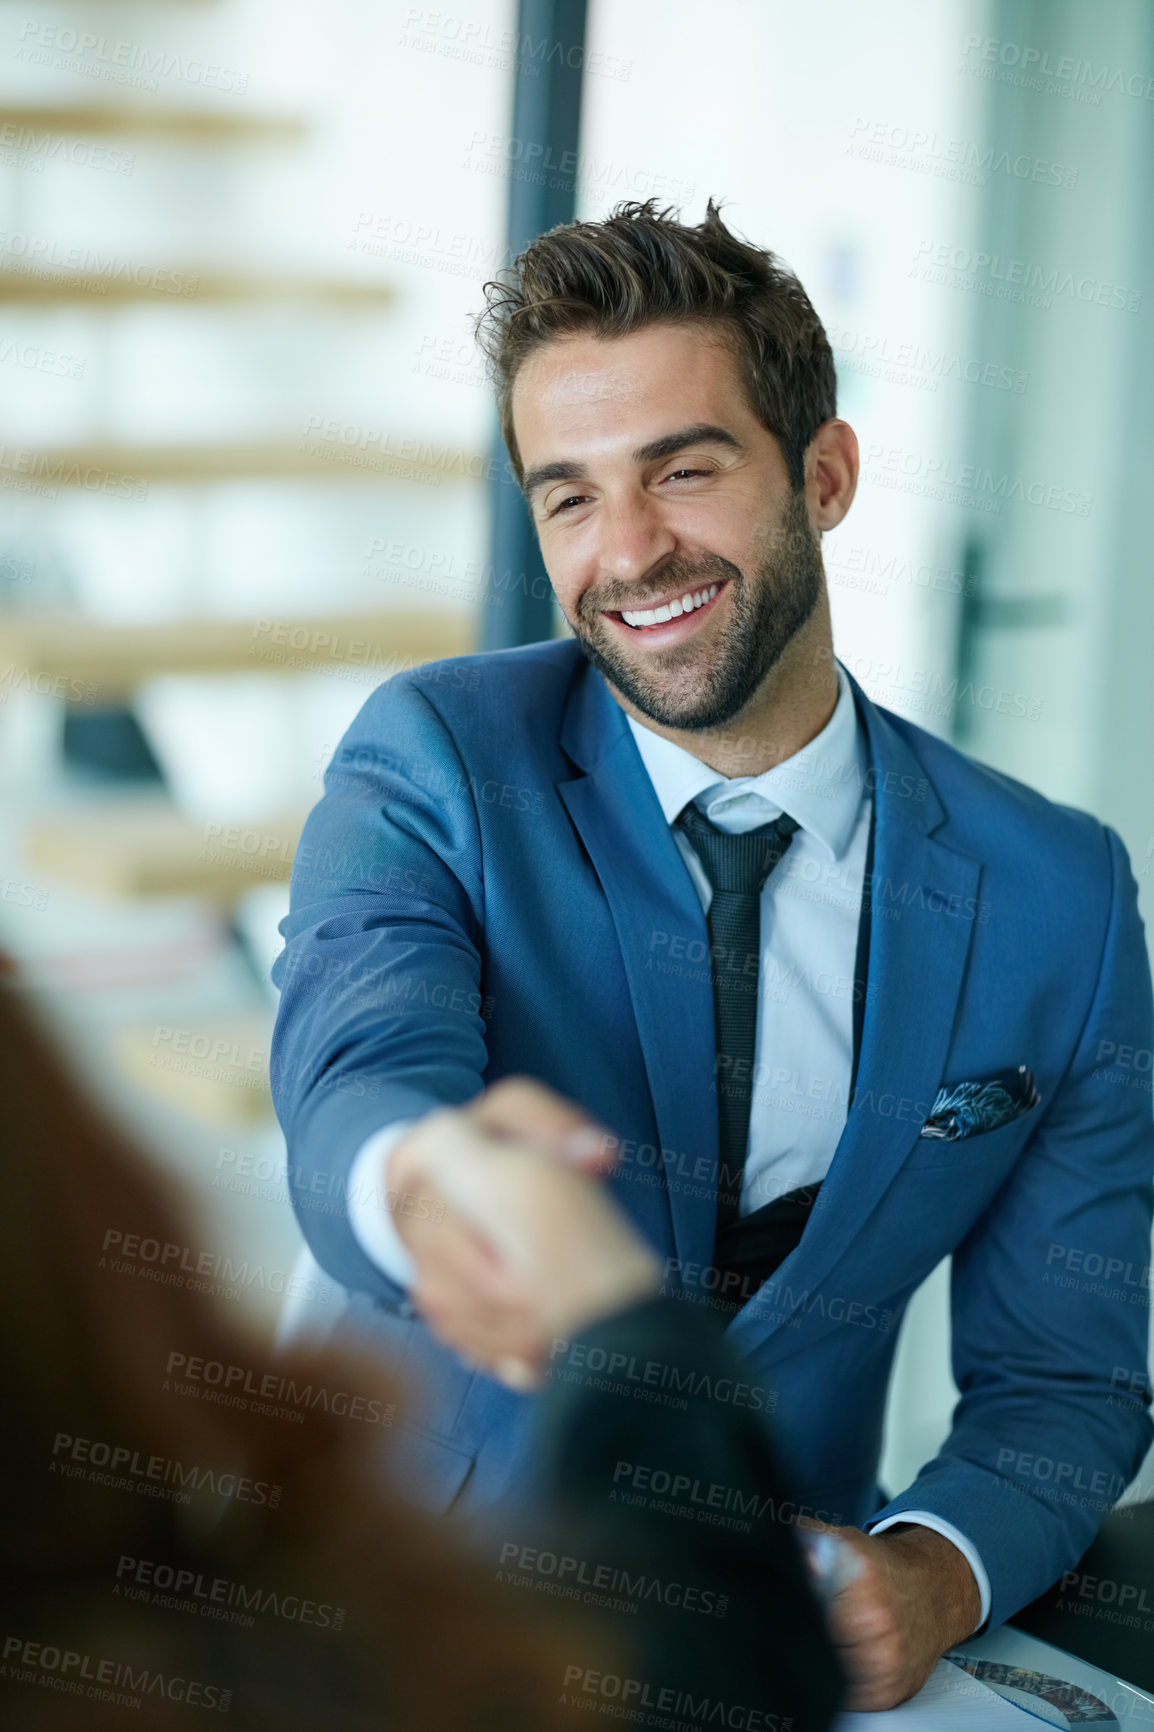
950	1701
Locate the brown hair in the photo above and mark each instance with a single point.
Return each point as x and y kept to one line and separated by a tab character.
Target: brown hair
423	1638
641	267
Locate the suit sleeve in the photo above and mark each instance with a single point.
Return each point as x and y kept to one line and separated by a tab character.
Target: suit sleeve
1050	1301
380	1016
669	1518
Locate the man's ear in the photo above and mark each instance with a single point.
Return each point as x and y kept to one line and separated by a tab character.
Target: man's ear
832	463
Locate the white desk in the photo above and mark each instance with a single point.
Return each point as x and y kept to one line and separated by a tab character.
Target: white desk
954	1701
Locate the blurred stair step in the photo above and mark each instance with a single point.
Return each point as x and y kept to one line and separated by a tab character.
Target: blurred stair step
135	850
127	471
214	1071
61	282
197	125
90	661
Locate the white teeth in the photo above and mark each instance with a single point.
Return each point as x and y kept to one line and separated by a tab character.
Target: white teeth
671	610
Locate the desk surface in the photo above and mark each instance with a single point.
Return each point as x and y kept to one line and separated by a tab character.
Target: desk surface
1128	1706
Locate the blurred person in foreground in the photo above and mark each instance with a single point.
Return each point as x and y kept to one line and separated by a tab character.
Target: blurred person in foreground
847	997
169	1546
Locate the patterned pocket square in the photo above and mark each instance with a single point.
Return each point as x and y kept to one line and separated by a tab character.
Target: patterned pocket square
966	1109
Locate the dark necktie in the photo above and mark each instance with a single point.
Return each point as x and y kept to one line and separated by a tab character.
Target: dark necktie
737	867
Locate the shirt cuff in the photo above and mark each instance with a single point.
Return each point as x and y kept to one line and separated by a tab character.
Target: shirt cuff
370	1216
923	1519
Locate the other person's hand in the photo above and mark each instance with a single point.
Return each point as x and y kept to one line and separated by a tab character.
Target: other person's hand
913	1598
527	1247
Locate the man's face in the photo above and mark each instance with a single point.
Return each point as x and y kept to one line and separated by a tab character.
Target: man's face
651	481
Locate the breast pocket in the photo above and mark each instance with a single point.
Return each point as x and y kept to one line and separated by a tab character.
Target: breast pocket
934	1154
942	1188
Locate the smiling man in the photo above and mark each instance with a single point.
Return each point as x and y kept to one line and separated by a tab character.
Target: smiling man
841	994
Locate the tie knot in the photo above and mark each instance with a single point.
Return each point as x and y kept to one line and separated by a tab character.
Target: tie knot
739	864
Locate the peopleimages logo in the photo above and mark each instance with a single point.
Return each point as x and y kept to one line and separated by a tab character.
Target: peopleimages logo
710	1502
76	1456
237	1383
1036	64
651	1378
606	1579
24	146
1023	1464
921	149
41	256
99	55
174	1265
70	1671
214	1596
632	1695
1023	277
1106	1590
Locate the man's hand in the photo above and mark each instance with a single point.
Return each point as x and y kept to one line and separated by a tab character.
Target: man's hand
516	1109
526	1246
913	1598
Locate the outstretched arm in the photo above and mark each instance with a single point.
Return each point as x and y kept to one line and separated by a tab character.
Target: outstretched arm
380	1017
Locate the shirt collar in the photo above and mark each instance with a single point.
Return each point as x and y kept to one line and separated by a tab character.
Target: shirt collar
822	786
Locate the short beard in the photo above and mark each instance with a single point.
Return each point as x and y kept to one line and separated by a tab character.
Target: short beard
766	615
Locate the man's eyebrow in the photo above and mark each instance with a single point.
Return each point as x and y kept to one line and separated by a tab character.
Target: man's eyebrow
700	433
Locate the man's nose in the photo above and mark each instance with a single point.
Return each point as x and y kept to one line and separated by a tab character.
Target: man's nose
633	537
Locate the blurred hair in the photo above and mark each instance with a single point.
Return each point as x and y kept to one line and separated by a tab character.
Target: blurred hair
641	267
424	1643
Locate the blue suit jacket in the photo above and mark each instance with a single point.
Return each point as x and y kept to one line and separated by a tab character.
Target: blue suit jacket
488	886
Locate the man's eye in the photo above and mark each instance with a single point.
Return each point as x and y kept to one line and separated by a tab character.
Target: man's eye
579	498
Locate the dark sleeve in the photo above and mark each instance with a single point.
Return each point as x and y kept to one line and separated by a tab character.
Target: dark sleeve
669	1509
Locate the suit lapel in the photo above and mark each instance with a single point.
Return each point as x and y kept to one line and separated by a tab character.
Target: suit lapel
664	946
920	937
924	894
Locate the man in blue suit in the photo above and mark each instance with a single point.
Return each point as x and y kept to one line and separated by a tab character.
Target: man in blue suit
845	998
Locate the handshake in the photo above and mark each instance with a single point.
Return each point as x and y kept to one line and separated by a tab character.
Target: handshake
524	1245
